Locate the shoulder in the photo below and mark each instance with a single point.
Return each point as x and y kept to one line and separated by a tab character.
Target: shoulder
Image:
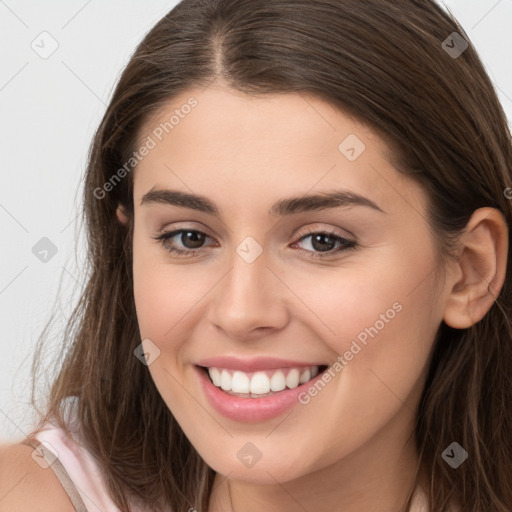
27	485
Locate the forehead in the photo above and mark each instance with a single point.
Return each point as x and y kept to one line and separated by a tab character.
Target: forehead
220	140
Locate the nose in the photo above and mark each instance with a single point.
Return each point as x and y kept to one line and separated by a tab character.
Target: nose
250	300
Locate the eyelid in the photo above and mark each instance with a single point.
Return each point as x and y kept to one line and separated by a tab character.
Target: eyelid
191	225
333	230
184	226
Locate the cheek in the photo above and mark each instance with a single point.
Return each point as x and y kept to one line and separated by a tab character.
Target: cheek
165	295
378	317
382	325
386	295
164	299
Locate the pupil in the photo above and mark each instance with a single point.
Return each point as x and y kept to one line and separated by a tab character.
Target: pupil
320	244
193	237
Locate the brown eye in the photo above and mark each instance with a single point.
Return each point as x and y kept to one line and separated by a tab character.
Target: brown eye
190	239
324	244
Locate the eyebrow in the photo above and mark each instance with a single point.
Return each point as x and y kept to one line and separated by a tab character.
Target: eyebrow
283	207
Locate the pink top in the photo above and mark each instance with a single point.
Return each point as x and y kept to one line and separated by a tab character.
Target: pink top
80	475
75	467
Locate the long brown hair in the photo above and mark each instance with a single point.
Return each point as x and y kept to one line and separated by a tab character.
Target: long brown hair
386	64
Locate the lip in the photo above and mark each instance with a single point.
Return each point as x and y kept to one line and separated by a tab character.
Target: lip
251	410
253	365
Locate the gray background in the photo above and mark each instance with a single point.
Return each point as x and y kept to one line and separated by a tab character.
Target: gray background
49	109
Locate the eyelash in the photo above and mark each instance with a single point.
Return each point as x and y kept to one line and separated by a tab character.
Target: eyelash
347	244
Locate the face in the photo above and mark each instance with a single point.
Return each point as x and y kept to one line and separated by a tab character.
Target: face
272	287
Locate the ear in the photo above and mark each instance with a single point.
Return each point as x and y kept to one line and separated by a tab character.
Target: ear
121	214
480	269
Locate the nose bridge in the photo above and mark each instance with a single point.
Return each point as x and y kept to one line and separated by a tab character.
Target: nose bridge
246	285
248	296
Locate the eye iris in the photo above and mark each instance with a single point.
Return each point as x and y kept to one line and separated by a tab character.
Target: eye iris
193	237
319	242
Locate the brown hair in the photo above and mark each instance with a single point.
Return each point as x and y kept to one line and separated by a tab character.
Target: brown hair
382	62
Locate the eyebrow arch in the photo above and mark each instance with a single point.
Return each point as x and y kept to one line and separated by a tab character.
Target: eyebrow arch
283	207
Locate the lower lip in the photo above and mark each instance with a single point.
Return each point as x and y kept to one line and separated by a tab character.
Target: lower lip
250	410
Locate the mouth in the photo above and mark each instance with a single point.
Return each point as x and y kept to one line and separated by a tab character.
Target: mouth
262	383
258	389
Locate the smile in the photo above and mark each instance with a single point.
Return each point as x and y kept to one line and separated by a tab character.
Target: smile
255	390
260	384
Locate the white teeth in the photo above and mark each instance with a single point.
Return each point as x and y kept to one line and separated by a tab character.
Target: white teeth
292	379
225	380
215	375
240	383
261	382
305	376
277	381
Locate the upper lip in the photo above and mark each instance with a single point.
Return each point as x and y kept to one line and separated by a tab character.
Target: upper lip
252	365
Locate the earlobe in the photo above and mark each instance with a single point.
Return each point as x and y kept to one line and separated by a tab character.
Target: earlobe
121	215
481	269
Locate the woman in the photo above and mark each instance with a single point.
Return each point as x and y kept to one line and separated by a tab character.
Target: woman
298	217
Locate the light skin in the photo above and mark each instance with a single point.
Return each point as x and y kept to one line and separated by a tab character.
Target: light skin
351	447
